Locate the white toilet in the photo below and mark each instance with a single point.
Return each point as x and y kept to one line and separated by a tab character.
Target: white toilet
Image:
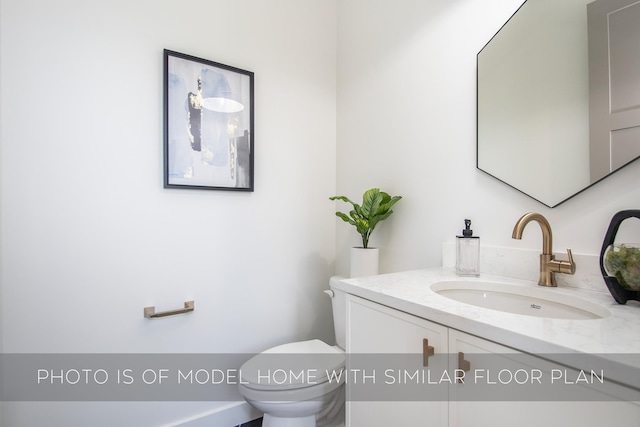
289	383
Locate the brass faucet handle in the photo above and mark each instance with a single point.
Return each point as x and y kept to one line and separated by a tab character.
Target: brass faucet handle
566	267
571	269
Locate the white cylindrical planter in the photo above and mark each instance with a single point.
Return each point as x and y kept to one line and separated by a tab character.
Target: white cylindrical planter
364	262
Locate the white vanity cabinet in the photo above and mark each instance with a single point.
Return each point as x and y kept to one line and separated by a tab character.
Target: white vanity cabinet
598	412
375	328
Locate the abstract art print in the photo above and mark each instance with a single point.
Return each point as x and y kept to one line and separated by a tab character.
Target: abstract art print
208	124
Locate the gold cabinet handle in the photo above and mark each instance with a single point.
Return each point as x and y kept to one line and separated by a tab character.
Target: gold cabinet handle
463	364
150	312
427	351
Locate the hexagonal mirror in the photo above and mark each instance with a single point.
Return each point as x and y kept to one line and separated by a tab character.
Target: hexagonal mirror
559	96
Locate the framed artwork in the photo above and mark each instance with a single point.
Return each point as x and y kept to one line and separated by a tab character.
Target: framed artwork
208	124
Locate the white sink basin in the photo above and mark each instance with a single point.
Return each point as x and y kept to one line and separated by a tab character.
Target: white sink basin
539	302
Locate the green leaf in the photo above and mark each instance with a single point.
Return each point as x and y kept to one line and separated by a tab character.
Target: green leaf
343	198
388	203
355	215
371	200
345	218
362	225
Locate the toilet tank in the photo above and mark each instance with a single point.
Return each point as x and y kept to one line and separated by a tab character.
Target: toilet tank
339	305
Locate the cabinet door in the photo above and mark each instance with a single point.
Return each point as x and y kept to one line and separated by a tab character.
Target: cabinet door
375	329
473	412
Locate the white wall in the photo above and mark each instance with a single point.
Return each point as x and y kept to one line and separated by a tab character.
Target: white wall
90	237
406	123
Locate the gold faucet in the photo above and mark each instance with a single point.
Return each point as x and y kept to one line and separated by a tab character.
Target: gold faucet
548	264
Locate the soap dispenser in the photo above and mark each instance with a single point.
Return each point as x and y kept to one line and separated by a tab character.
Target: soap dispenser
467	252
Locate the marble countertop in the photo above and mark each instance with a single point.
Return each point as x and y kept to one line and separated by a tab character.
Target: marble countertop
615	336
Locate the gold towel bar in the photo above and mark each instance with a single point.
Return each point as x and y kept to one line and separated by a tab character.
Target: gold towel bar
150	312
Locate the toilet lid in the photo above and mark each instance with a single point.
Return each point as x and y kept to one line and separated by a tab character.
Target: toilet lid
294	365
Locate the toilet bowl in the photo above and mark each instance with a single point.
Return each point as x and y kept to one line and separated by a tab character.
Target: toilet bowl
300	384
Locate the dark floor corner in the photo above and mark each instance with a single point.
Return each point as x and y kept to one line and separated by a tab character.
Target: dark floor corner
254	423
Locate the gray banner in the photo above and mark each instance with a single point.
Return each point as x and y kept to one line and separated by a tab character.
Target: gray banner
370	377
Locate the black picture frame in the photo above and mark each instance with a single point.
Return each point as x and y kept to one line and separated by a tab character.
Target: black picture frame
208	124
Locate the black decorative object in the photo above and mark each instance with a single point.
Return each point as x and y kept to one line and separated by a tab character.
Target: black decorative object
619	292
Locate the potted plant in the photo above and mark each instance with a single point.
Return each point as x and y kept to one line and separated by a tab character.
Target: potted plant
376	206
